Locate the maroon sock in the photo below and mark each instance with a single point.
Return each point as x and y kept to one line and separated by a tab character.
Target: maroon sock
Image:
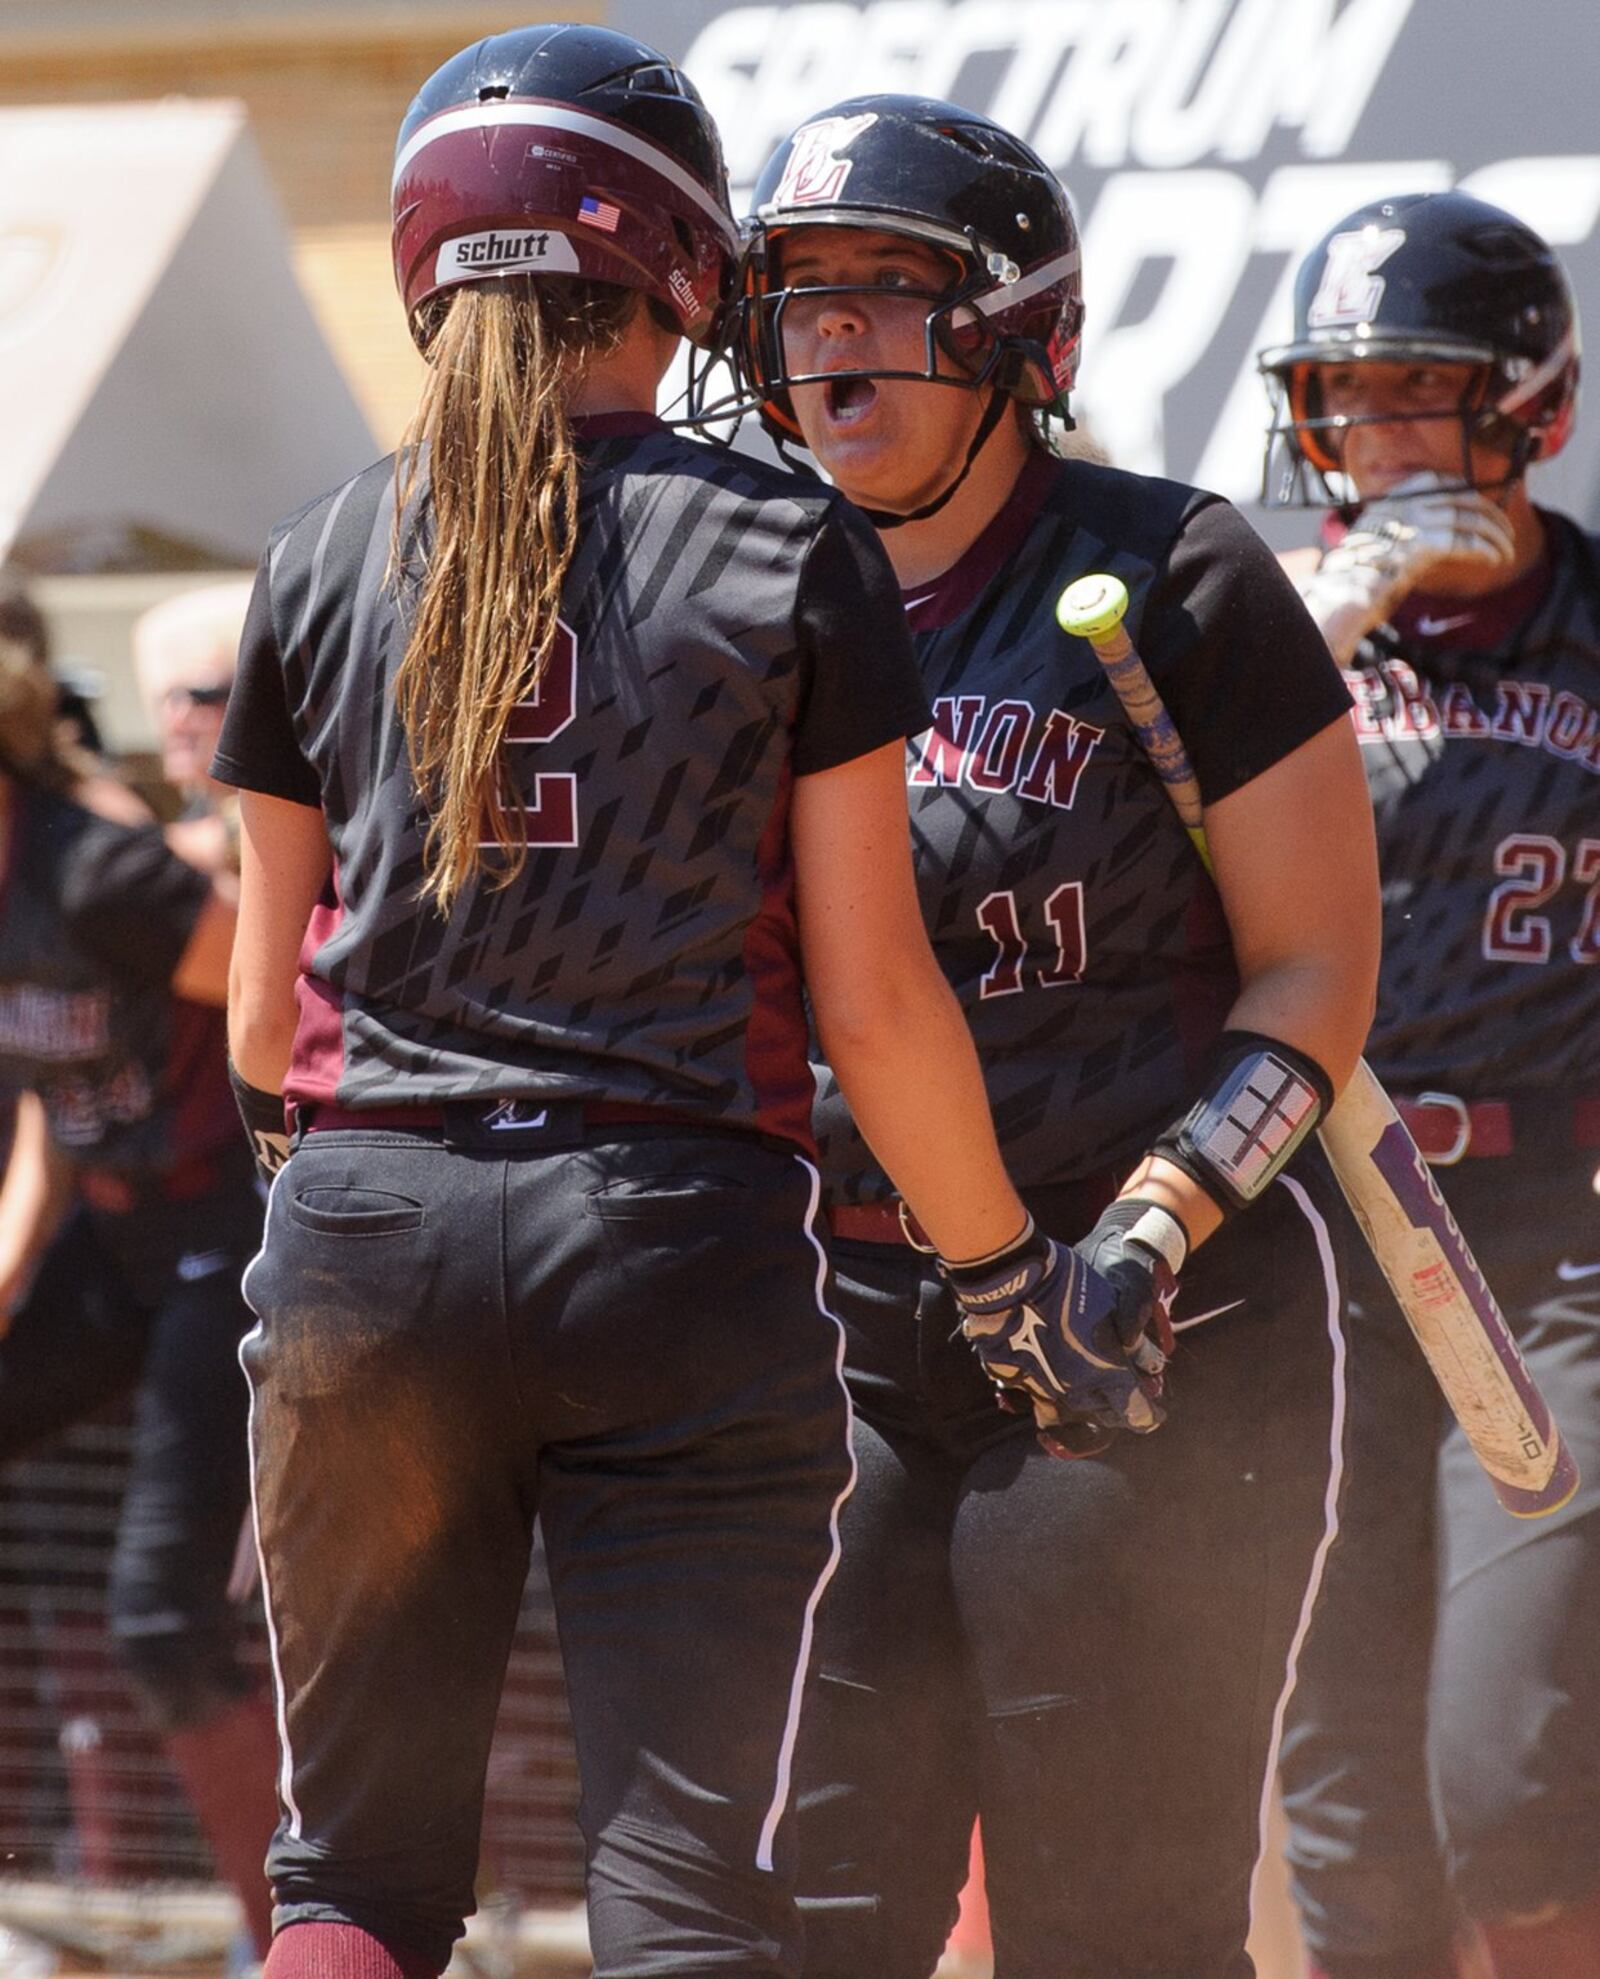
1566	1946
229	1769
341	1951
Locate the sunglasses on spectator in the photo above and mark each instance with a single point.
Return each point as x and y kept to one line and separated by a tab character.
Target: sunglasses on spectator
198	697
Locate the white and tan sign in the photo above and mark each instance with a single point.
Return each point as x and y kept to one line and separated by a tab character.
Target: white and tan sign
159	365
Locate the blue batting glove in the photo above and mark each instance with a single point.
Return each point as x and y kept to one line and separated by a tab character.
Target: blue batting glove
1045	1326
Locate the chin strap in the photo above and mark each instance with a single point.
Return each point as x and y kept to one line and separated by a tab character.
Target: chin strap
889	519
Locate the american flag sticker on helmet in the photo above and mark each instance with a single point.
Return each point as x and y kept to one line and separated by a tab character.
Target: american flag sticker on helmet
598	213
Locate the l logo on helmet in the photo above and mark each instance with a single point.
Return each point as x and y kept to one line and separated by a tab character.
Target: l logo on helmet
1351	288
815	172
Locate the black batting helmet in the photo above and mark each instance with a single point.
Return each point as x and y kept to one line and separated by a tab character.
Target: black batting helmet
564	150
1426	278
1012	311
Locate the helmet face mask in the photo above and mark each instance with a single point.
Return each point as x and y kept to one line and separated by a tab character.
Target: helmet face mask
949	328
563	151
1426	280
1307	445
1010	317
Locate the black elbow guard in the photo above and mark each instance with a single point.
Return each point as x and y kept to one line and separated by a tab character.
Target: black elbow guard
1259	1100
265	1127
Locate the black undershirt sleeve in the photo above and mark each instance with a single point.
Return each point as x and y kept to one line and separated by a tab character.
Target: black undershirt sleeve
258	748
130	901
862	688
1237	658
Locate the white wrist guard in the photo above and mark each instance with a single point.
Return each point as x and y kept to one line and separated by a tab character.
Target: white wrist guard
1260	1102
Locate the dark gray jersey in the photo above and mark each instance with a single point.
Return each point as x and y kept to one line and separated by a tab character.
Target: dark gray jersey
94	918
718	621
1481	740
1066	905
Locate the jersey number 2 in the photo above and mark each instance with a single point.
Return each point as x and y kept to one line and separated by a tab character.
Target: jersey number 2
550	807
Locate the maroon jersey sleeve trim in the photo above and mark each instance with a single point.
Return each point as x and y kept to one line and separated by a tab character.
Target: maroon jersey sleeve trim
317	1063
777	1061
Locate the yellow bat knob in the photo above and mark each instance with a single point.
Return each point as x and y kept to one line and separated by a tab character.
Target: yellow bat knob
1092	606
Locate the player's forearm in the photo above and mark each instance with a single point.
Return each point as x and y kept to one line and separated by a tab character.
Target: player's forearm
260	1035
1159	1181
262	1018
285	860
905	1062
1297	866
1320	1004
34	1199
1321	1007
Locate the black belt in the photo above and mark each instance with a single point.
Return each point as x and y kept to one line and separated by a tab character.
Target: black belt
524	1124
317	1119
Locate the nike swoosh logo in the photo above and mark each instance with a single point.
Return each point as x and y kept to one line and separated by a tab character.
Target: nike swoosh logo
911	604
201	1264
510	1126
1569	1274
1431	627
1199	1319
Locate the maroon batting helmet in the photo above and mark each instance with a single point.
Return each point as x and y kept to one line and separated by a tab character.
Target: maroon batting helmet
565	151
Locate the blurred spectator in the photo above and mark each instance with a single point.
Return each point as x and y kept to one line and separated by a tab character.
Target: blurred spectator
184	652
54	717
127	1213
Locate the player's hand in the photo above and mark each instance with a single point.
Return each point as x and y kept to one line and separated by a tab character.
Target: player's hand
264	1125
1397	543
1049	1328
1139	1249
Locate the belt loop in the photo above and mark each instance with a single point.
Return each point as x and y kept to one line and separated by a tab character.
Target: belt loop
1454	1105
912	1230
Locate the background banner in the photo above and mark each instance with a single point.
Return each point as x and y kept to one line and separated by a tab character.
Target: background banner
159	365
1206	145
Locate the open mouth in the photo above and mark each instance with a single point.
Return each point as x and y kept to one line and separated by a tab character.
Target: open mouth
850	399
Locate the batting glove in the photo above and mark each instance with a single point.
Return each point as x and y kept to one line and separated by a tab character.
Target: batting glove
1047	1327
1138	1248
264	1125
1392	548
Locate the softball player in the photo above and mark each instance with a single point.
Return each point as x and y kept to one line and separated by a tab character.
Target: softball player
1435	359
558	747
127	1214
1088	1653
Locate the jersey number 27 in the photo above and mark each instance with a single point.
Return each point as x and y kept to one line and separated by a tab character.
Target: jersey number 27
1533	868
